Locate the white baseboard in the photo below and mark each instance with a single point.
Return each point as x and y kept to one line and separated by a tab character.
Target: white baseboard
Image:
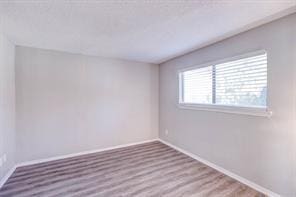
26	163
224	171
214	166
7	175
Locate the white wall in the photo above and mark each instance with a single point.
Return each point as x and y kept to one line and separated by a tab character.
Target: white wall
7	105
294	88
68	103
257	148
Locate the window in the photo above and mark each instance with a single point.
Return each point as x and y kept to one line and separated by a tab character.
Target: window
237	83
197	85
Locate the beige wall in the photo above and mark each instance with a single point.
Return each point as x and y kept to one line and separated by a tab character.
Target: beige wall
68	103
7	105
257	148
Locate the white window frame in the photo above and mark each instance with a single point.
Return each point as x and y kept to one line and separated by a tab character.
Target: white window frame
245	110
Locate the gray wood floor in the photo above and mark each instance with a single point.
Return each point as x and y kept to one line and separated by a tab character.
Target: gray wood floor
151	169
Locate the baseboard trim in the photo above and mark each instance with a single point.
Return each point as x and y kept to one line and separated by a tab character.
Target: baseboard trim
81	153
7	175
212	165
224	171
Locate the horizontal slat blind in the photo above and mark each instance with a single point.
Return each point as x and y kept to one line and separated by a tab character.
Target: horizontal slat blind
242	82
197	85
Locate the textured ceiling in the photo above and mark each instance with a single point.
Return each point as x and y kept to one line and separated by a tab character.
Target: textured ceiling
148	31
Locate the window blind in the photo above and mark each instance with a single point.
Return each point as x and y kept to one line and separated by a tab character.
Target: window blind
241	82
197	85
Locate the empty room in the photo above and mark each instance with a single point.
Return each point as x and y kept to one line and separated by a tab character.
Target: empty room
147	98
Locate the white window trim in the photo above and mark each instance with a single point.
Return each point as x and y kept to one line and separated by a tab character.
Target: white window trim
244	110
252	111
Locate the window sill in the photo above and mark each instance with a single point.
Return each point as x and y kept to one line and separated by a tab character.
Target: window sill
251	111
